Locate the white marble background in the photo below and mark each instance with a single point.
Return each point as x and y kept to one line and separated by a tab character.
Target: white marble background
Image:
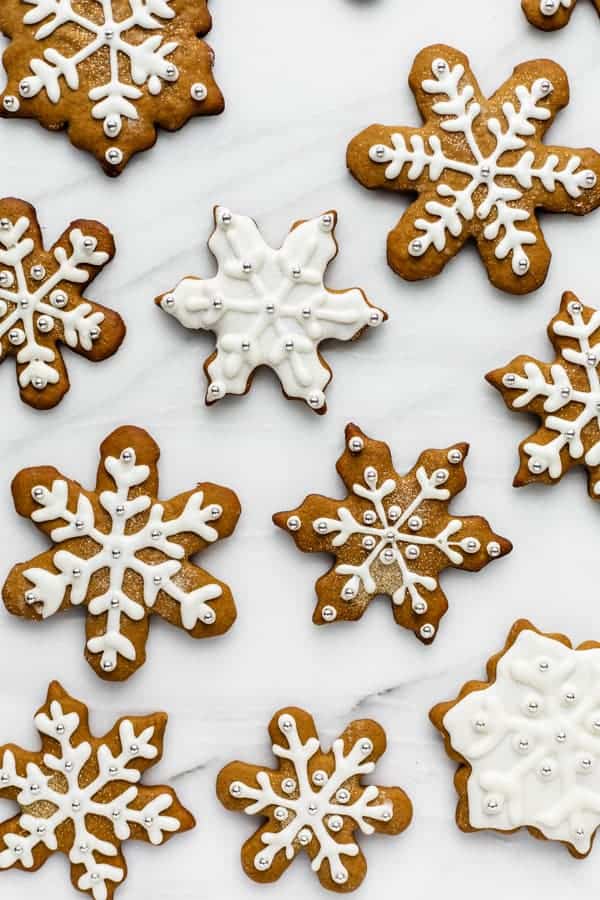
300	79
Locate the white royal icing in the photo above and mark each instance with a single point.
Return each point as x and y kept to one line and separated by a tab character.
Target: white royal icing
119	554
55	807
560	393
532	740
551	7
270	307
460	113
314	808
393	537
27	312
147	60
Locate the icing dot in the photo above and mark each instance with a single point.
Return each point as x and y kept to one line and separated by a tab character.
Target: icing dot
305	837
281	813
199	91
369	542
114	156
561	737
294	523
440	476
574	308
493	805
412	551
369	517
327	222
415	523
387	557
108	665
262	863
420	607
356	444
427	631
288	785
335	823
235	788
417	247
319	777
16	336
329	614
112	126
455	457
366	746
343	796
494	549
394	513
11	103
58	299
316	400
340	876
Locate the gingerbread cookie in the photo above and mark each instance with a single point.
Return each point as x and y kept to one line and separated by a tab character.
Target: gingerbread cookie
527	740
122	553
393	534
270	307
81	795
42	303
109	72
480	168
564	394
314	800
551	14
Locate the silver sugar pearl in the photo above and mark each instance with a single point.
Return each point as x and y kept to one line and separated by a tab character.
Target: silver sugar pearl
427	631
199	91
356	444
329	614
294	523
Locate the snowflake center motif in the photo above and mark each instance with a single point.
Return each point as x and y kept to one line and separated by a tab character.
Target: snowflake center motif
56	791
392	535
532	740
136	538
566	395
480	167
319	805
270	307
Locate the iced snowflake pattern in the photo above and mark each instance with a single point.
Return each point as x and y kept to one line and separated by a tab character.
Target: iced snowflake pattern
270	307
551	14
392	535
314	801
565	395
528	741
122	553
480	168
127	51
86	791
41	302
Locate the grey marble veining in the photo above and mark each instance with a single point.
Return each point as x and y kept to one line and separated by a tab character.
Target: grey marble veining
300	79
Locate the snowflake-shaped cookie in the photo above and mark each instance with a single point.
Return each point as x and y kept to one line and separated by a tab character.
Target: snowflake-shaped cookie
109	71
314	801
528	740
564	394
551	14
42	303
82	796
480	168
393	534
270	307
122	553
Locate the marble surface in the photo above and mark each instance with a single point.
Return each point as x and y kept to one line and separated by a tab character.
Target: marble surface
300	80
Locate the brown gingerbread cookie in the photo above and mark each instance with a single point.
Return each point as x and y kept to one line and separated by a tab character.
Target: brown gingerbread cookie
81	795
564	394
527	740
314	801
42	302
480	169
551	14
109	72
122	553
271	307
393	534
